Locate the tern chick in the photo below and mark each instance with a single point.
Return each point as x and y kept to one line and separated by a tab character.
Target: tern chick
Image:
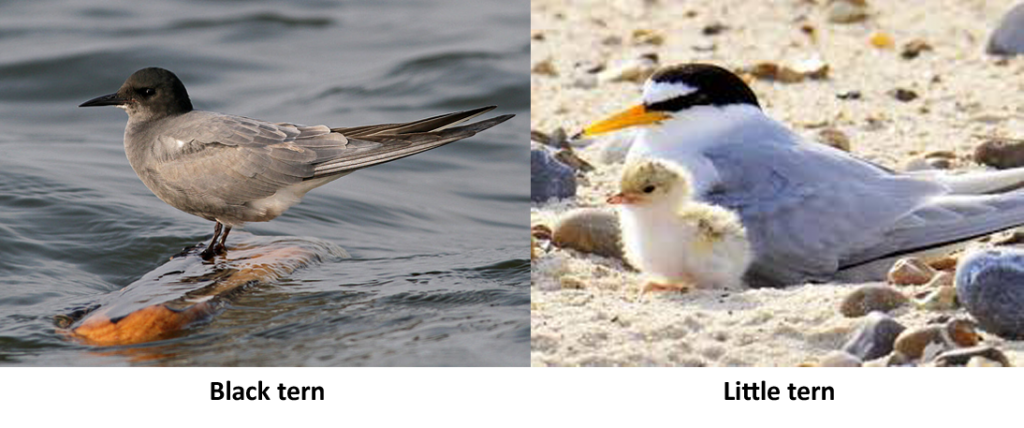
678	242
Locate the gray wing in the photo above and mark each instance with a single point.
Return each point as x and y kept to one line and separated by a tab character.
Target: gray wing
807	207
237	159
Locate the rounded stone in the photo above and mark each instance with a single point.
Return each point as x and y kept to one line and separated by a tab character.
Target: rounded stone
1000	153
868	298
910	271
913	342
875	338
1008	38
990	285
590	230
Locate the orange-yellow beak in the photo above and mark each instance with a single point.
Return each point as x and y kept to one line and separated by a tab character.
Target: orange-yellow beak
624	198
633	116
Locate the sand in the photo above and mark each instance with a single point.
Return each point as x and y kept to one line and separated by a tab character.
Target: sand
585	307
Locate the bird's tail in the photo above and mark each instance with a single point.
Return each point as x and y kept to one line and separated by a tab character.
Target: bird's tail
975	183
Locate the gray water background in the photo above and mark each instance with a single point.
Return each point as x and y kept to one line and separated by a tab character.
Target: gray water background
439	272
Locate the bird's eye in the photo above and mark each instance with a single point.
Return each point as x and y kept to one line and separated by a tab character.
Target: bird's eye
147	91
648	189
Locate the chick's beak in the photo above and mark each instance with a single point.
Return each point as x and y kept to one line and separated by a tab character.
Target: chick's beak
624	198
634	116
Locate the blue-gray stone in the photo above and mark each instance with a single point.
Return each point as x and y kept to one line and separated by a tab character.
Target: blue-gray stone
550	178
874	339
990	285
1008	39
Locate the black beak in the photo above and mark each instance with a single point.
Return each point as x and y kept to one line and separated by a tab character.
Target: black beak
106	100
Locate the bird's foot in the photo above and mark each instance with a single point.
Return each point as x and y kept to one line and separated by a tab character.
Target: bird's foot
212	251
659	287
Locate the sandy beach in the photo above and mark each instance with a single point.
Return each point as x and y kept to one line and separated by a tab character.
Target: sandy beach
585	309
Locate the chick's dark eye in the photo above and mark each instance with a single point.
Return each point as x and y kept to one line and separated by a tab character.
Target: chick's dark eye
648	189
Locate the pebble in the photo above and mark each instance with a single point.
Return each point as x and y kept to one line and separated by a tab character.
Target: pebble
1000	153
925	163
613	148
834	138
545	68
910	271
840	359
847	11
963	332
589	230
990	285
914	48
714	29
1008	38
963	356
882	41
940	299
915	343
868	298
635	70
905	95
550	178
875	338
979	361
813	68
647	37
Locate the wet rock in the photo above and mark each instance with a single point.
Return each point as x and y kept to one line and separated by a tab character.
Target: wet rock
550	178
990	285
910	271
1000	153
962	356
847	11
870	298
875	338
1008	38
589	230
840	359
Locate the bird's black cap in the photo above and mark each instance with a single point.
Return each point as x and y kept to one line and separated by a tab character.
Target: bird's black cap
715	86
150	93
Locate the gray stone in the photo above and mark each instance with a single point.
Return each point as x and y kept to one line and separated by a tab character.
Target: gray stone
549	178
990	285
1008	38
874	339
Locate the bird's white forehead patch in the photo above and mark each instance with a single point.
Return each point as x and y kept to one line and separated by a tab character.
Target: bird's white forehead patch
655	92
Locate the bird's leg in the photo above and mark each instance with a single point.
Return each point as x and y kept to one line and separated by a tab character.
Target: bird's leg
223	248
210	250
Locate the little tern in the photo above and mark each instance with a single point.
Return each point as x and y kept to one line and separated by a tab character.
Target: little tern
809	209
233	169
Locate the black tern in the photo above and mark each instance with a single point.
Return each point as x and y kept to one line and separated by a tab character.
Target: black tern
810	210
233	169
